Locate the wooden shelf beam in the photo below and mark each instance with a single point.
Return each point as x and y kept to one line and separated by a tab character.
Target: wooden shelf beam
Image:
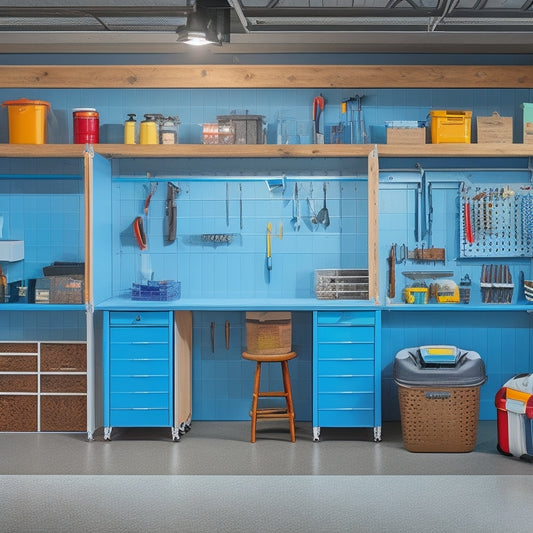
266	76
42	150
121	151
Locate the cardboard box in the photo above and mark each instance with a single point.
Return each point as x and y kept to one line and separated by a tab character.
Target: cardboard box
494	129
406	135
268	333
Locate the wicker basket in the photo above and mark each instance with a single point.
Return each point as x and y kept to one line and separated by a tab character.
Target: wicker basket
439	420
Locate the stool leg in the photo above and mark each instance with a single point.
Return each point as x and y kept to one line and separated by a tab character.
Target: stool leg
255	398
288	392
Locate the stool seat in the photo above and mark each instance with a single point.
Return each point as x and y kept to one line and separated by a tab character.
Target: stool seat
270	412
269	358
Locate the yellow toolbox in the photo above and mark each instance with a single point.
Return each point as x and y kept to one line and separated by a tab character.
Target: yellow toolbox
450	126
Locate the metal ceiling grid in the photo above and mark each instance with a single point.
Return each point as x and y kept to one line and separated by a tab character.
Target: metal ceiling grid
277	26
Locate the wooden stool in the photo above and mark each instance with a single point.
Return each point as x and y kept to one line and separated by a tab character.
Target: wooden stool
288	412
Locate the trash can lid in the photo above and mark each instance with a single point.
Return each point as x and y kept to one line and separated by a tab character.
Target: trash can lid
411	370
26	102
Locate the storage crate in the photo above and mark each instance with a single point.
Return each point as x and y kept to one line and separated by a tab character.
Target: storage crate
450	126
66	289
406	131
438	393
528	123
341	284
494	129
156	291
268	333
248	129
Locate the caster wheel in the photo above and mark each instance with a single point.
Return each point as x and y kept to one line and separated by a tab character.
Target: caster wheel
507	454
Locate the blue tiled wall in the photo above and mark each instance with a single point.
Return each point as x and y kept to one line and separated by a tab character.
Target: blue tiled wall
198	106
46	326
238	269
502	339
397	205
223	380
48	215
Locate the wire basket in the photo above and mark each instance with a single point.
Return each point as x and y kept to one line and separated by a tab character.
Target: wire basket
156	291
341	284
439	420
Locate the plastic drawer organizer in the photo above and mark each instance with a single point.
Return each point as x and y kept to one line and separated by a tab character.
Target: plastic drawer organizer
156	291
346	382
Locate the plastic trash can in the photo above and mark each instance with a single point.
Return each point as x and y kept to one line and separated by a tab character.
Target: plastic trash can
27	121
438	391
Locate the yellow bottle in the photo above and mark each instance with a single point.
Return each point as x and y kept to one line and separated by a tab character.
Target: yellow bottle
148	133
129	129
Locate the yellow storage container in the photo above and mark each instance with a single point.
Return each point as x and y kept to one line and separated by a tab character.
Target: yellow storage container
450	126
416	295
27	121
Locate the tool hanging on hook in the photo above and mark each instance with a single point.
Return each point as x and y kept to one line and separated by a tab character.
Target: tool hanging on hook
172	211
353	110
151	191
318	108
138	232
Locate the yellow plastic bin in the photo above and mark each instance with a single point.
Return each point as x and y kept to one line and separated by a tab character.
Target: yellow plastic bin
27	121
450	126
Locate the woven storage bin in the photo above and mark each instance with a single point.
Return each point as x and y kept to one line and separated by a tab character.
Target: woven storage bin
439	420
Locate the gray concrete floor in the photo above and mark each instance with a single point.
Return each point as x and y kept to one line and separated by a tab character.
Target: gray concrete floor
223	448
214	479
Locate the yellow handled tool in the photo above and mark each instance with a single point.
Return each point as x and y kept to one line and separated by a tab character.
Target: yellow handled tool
269	247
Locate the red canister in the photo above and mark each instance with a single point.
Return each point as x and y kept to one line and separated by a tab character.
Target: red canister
86	126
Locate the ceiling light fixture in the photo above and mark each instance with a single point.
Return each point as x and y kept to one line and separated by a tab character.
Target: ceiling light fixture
205	26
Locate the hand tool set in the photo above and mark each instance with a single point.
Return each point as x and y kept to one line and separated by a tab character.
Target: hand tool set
496	284
496	221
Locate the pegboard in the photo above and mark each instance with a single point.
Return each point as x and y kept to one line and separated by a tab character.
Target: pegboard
500	218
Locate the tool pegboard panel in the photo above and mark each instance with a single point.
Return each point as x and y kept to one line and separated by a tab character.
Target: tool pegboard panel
496	221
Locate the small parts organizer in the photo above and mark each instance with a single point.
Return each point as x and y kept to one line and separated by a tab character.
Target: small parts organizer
496	221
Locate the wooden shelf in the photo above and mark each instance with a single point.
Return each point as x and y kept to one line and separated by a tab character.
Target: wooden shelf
121	151
42	150
267	76
232	150
455	150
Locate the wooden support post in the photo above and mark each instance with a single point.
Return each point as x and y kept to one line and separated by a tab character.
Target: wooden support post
373	256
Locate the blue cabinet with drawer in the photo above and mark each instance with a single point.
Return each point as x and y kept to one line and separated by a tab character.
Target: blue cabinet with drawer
138	370
346	370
